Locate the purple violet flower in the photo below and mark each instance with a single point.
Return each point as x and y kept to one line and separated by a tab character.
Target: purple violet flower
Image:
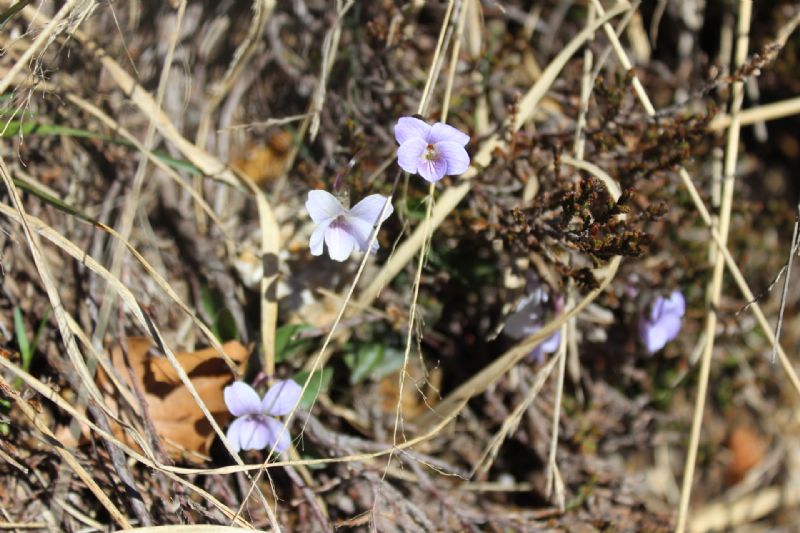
255	428
663	323
528	318
430	151
343	229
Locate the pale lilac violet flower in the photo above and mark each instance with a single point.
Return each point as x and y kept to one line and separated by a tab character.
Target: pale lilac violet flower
529	317
433	152
663	323
343	229
255	428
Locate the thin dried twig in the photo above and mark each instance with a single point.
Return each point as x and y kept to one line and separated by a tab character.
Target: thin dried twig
555	487
773	111
793	247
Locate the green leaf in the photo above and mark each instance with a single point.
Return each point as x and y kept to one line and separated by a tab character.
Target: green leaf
372	361
15	127
209	300
320	381
286	345
225	326
55	202
392	362
363	361
22	339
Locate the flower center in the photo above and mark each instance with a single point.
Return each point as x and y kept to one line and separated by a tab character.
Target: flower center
341	222
431	153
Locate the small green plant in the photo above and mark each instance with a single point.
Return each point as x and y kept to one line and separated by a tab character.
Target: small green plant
372	360
27	348
223	325
286	342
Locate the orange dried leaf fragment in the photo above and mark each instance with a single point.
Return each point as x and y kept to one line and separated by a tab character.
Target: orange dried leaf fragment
264	163
747	450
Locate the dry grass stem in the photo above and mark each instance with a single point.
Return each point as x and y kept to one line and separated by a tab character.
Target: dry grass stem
728	176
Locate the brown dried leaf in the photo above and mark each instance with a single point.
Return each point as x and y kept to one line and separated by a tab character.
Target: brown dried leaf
177	419
264	163
748	449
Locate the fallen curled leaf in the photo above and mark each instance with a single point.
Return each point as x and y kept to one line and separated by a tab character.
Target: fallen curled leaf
180	424
747	448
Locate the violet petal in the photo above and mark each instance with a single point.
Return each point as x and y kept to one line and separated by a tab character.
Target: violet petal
432	170
317	238
234	434
653	337
340	242
410	128
323	206
671	326
551	344
275	428
441	132
281	398
242	399
657	308
456	157
370	208
520	325
675	304
249	433
361	230
410	154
